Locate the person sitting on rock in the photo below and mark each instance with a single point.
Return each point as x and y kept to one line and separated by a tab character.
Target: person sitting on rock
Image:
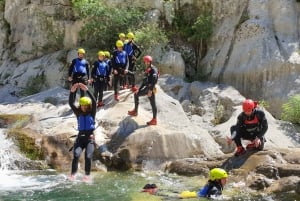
251	125
85	115
147	88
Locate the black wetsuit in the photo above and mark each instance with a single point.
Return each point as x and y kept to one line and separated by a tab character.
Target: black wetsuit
120	63
100	74
151	76
250	127
85	138
79	70
133	52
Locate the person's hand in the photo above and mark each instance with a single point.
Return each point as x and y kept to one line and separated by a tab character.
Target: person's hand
90	81
115	72
257	142
229	139
70	79
149	94
74	87
83	86
125	71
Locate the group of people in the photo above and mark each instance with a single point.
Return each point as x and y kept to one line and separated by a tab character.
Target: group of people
251	123
121	65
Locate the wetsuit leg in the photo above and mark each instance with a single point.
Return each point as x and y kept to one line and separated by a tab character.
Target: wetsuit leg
88	156
102	86
96	89
153	105
77	150
241	134
141	92
116	81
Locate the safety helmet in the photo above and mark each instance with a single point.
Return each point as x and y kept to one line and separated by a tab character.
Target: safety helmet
85	101
119	43
81	51
248	105
101	53
147	58
107	54
121	35
217	173
130	35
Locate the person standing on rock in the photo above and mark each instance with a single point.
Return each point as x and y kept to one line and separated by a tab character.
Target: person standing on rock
79	70
100	75
133	52
147	88
85	115
251	125
120	65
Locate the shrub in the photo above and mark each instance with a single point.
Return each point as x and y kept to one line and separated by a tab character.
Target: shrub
291	109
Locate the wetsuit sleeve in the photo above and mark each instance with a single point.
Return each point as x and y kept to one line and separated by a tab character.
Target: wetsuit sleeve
137	50
71	103
263	123
214	191
71	67
93	103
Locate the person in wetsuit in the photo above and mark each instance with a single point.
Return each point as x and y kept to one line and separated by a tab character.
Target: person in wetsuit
147	88
251	125
85	115
79	70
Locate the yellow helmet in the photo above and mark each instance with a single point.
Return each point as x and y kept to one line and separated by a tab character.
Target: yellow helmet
85	101
81	51
217	173
101	53
119	43
107	54
121	35
130	35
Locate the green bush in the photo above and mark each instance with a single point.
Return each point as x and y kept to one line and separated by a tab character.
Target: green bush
291	110
103	23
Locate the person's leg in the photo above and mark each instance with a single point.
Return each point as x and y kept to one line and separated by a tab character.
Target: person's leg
88	156
153	105
116	82
102	85
96	89
77	150
142	92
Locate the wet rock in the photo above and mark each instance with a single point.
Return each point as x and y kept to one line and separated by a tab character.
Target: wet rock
284	185
259	182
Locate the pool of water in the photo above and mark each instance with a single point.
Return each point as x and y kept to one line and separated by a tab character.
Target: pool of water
111	186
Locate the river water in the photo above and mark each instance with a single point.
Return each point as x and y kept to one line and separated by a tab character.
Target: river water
49	185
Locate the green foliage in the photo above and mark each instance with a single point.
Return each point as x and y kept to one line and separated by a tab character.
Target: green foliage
26	143
103	23
263	103
291	109
148	37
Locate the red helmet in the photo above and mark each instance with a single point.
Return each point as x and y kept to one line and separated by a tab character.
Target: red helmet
248	105
147	58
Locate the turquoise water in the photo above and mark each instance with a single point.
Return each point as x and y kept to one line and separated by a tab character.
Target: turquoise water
121	186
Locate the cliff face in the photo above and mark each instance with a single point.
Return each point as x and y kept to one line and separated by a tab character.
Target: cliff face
254	45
